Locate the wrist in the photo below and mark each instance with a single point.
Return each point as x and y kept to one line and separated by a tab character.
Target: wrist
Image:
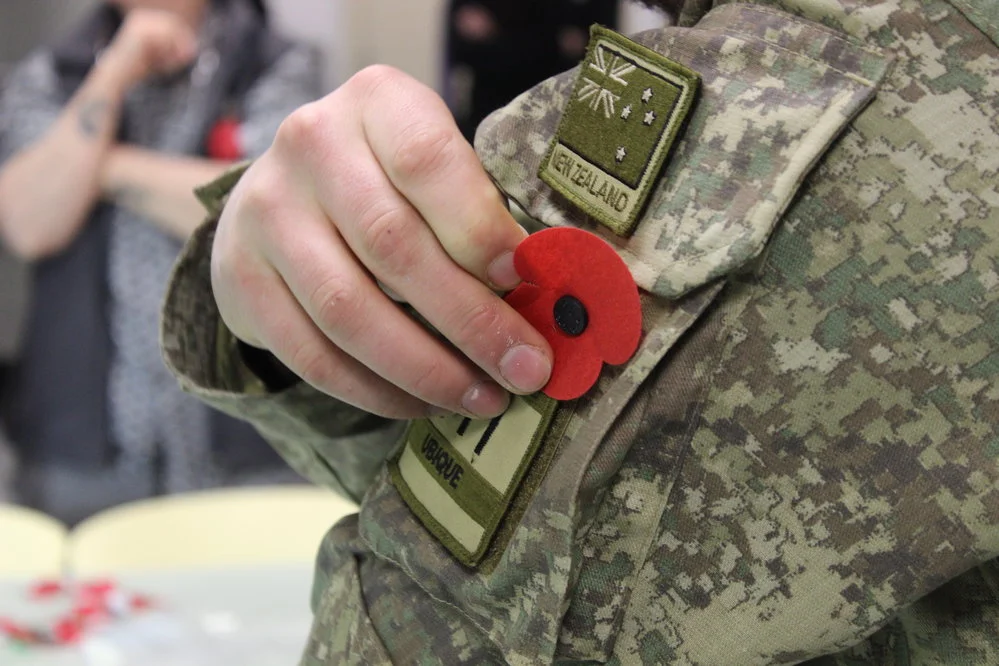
110	175
115	72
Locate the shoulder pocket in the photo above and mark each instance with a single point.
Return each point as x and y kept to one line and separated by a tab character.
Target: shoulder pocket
775	92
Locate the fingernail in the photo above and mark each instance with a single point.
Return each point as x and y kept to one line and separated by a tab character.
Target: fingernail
485	400
526	368
501	273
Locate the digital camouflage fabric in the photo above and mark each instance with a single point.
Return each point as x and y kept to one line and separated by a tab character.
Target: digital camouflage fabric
801	462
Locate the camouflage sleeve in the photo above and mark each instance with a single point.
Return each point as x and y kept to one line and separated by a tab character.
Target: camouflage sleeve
330	443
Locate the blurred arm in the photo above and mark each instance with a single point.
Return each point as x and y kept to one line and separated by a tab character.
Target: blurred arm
51	181
47	188
159	187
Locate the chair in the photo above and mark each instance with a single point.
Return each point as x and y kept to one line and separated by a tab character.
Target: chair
219	528
31	543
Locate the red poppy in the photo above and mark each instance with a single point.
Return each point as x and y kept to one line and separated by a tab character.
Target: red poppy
14	631
67	631
223	141
45	589
580	295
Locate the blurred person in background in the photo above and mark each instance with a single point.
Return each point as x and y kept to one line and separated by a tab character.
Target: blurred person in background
7	469
103	137
496	49
12	298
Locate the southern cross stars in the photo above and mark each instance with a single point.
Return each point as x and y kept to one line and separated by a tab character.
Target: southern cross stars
626	112
621	154
647	95
649	118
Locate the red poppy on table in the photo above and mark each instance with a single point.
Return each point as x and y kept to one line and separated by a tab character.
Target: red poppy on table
140	602
45	589
579	294
67	631
97	590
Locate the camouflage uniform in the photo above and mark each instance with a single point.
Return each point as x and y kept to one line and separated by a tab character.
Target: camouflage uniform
801	462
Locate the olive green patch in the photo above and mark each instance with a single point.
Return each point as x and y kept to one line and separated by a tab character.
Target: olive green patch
459	476
623	117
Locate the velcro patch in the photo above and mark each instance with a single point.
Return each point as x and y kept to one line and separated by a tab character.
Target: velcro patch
623	117
459	476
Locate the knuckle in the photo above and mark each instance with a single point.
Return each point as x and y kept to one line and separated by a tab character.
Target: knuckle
257	200
246	281
431	378
314	365
338	307
368	80
482	321
302	128
260	196
423	150
383	232
483	237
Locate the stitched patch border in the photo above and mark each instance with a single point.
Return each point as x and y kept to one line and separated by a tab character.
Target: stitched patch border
458	491
625	114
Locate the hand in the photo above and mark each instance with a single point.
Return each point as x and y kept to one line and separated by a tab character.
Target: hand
374	185
475	23
151	42
572	42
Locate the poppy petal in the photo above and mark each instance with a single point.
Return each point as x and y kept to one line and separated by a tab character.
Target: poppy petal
579	263
535	305
575	369
224	141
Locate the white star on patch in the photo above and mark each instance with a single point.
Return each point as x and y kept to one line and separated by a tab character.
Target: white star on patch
649	117
621	154
626	112
646	95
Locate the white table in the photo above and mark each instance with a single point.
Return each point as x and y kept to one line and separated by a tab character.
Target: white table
247	617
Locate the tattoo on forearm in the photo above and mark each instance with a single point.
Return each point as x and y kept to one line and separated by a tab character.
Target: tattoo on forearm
132	198
92	117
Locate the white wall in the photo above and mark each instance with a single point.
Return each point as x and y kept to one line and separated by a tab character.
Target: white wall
357	33
318	22
635	17
408	34
25	23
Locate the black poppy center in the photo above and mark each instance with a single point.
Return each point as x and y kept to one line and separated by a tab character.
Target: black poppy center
571	316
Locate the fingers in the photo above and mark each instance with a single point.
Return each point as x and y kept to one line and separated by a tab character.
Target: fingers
156	41
359	319
371	186
393	241
172	43
427	160
289	333
259	309
328	320
179	51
